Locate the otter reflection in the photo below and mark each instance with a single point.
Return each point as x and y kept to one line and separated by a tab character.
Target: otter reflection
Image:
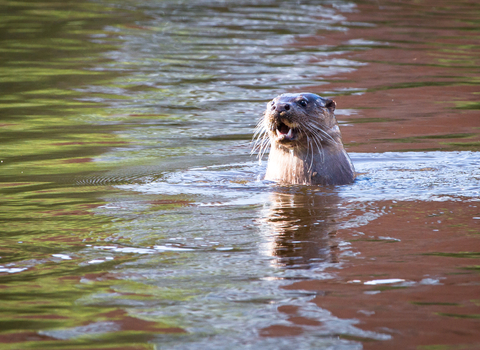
300	226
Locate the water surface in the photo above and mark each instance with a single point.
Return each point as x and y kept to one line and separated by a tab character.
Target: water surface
134	217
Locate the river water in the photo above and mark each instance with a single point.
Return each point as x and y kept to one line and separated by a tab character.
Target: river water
134	217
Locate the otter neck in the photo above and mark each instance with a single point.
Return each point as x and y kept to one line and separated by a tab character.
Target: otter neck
297	166
291	166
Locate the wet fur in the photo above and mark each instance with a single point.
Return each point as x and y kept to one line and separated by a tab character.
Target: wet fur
316	154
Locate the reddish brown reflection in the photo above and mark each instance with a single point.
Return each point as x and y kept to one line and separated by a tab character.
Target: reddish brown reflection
434	246
419	82
418	90
128	323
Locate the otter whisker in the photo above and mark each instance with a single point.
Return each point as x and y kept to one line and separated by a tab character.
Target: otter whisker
309	146
259	148
260	136
316	135
258	133
320	149
261	143
318	128
263	148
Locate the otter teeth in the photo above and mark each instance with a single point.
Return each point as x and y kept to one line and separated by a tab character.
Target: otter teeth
282	136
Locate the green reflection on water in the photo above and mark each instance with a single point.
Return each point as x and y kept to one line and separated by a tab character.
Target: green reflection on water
433	303
458	315
448	347
469	255
49	137
53	132
475	268
473	146
468	105
415	139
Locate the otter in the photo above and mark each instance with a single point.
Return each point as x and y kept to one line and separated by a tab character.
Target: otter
306	146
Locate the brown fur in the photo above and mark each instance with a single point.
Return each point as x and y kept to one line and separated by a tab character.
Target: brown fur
306	144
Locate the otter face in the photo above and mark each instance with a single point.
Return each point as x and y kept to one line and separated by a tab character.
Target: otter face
305	141
290	118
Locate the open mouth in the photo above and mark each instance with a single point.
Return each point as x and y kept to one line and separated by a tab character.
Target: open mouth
284	132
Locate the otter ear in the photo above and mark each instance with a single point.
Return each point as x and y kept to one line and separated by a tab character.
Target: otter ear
330	104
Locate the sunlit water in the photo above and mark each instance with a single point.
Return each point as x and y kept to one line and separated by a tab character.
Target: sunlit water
423	176
133	214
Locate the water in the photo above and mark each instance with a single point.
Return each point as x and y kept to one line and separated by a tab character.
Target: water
134	217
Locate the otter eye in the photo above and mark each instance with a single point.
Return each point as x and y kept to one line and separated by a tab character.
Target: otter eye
303	103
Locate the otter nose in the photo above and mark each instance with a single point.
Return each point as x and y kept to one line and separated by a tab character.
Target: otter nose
281	107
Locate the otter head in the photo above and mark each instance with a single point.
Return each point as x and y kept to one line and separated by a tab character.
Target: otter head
306	144
296	120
